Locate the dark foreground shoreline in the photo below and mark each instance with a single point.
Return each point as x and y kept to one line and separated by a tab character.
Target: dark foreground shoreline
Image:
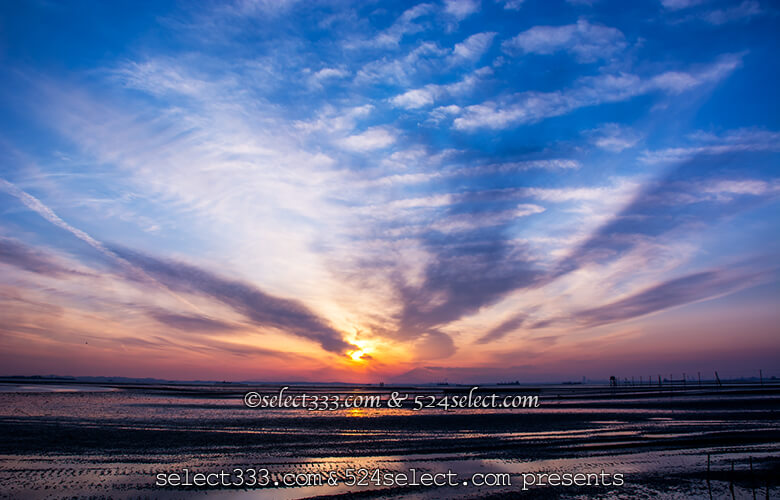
109	440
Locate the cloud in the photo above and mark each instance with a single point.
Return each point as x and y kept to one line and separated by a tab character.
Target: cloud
433	345
426	96
676	292
449	200
473	221
263	7
36	206
335	120
588	42
503	329
520	166
735	141
530	107
679	199
745	10
461	9
190	322
48	214
614	137
15	253
158	344
415	98
467	271
472	48
681	4
371	139
403	26
404	69
726	190
443	112
511	4
326	74
160	77
261	308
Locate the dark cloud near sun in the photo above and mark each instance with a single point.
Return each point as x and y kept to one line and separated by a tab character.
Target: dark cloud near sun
261	308
467	272
433	344
473	263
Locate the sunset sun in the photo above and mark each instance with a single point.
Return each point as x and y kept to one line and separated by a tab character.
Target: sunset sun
357	355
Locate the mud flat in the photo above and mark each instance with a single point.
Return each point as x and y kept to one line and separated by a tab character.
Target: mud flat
113	440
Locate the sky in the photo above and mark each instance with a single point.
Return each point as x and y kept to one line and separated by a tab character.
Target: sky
462	191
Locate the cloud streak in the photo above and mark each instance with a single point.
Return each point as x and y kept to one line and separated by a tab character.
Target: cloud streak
531	107
190	323
15	253
673	293
263	309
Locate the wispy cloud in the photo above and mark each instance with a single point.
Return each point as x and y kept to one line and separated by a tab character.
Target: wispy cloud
503	329
668	204
37	206
406	24
326	74
531	107
745	10
743	140
511	4
402	69
614	137
190	322
415	98
16	253
472	48
461	9
373	138
473	221
426	96
681	4
586	41
676	292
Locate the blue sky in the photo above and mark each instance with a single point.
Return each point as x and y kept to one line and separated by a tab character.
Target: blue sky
411	191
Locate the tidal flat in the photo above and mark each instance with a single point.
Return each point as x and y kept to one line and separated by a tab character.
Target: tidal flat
111	440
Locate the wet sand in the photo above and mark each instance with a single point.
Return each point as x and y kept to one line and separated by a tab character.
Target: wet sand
110	440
